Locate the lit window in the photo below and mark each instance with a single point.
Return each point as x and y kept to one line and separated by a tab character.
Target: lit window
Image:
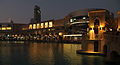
9	28
71	20
46	24
74	19
34	26
16	35
30	26
50	24
87	21
42	25
38	26
3	28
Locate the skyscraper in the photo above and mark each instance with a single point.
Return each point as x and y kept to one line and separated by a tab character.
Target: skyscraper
37	14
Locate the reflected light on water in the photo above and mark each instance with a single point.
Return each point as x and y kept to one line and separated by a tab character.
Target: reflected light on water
46	54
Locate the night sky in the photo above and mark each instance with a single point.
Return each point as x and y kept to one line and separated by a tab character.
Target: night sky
21	11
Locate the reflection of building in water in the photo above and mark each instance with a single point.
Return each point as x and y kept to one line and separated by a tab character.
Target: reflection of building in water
47	53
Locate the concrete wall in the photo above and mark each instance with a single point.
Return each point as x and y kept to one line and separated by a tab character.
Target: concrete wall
112	41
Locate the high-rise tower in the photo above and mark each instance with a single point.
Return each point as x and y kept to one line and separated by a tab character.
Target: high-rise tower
37	14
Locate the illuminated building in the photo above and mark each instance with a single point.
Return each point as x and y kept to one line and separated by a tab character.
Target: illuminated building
5	27
74	27
100	22
48	29
78	23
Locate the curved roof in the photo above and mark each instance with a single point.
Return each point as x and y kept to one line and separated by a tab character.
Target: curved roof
83	12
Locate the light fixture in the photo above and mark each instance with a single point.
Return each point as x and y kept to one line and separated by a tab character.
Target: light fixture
84	17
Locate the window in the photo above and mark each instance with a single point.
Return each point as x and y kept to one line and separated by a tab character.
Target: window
46	24
34	26
71	20
3	28
50	24
96	23
38	26
42	25
30	26
9	28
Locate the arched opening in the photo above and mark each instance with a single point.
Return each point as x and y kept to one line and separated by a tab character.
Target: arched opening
114	56
96	45
105	50
96	24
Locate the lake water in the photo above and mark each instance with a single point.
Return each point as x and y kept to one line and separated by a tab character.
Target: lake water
35	53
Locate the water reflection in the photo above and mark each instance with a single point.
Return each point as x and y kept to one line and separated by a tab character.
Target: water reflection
33	53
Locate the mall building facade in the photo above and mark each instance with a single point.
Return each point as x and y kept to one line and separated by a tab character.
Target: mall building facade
73	27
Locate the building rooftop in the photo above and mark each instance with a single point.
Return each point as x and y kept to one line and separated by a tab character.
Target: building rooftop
83	12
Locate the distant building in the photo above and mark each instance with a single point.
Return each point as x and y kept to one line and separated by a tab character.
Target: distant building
37	14
47	29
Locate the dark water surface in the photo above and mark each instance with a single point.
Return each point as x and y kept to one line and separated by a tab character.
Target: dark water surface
33	53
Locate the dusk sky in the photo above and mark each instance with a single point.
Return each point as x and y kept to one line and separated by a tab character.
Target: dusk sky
21	11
